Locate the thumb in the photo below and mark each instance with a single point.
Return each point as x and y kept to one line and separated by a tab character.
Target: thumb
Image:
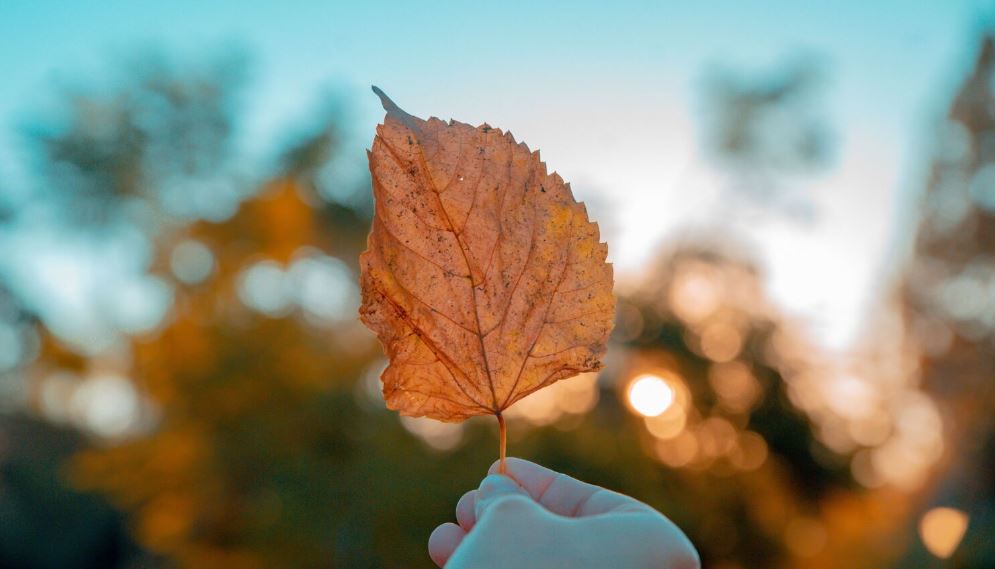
497	488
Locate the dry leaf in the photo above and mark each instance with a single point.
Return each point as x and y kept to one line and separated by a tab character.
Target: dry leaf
483	278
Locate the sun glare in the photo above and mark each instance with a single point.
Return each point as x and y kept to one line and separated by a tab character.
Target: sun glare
649	395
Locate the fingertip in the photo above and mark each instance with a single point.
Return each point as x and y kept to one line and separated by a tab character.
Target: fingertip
533	477
493	488
494	484
511	461
444	541
465	514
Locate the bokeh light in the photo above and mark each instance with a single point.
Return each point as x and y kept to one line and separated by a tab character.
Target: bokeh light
437	435
264	287
942	529
107	404
649	395
324	287
736	387
721	342
558	402
192	261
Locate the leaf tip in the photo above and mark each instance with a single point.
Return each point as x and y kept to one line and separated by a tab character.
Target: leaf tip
391	107
384	99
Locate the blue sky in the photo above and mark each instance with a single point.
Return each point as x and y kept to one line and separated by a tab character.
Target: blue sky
609	91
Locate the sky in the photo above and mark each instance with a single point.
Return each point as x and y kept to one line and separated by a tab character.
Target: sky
610	92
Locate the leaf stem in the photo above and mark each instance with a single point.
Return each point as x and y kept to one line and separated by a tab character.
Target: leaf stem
503	436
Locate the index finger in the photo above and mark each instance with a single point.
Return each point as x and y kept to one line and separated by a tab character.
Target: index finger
567	496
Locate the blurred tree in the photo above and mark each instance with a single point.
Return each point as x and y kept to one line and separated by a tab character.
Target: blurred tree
768	129
949	298
19	345
43	524
104	163
233	433
162	139
245	428
737	444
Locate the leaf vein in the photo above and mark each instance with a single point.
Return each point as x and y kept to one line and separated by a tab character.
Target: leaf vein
446	361
535	340
579	316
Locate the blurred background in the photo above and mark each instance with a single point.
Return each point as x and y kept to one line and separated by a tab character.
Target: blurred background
799	201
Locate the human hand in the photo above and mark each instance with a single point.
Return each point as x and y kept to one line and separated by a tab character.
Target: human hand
537	518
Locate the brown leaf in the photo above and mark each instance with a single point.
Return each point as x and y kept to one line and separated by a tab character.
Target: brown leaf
483	277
